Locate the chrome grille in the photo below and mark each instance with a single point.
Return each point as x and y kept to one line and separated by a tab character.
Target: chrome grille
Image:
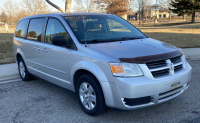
178	68
156	64
176	59
160	73
165	67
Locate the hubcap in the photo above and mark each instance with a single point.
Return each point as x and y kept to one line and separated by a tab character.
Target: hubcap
22	69
87	96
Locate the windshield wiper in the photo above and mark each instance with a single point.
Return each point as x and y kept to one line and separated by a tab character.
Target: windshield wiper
112	40
97	41
130	38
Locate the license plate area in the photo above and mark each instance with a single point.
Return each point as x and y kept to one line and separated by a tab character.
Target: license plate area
175	85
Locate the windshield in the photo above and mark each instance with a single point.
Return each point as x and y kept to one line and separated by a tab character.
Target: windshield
102	28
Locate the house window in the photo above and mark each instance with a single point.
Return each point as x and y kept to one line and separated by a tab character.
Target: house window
160	16
164	16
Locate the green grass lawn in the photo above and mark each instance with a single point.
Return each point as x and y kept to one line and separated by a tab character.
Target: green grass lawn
6	48
180	40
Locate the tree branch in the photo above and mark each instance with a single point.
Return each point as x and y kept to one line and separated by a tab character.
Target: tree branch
55	6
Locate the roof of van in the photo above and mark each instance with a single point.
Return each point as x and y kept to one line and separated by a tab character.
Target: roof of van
67	14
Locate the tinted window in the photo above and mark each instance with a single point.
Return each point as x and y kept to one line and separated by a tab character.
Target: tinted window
21	28
54	27
105	28
35	29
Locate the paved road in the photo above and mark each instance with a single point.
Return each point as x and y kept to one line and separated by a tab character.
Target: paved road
39	101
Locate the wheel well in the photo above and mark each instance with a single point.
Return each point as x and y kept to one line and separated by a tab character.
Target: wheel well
79	73
18	56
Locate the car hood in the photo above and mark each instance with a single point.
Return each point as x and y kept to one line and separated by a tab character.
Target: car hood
140	48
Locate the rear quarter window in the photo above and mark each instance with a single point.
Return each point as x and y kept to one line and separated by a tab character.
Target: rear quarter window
21	28
35	29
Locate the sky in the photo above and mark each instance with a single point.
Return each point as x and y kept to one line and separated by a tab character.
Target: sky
60	3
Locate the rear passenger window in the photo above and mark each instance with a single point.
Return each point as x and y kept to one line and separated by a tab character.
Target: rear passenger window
21	28
35	29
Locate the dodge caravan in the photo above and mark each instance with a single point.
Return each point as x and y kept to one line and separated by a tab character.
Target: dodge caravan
103	58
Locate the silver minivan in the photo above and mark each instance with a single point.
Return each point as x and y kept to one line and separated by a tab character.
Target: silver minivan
103	58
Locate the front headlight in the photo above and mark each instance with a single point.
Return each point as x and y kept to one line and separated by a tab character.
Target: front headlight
125	69
183	54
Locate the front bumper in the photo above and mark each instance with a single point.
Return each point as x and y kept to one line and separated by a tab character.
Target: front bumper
137	87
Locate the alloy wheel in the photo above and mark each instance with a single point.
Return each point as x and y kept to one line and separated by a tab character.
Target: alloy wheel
87	96
22	69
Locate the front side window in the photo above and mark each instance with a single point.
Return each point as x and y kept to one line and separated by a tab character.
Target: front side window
102	28
21	28
35	29
54	27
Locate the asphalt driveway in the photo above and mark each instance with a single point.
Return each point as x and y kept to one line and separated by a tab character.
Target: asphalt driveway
39	101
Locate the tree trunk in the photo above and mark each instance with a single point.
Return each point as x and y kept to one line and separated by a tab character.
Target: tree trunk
183	16
139	18
193	17
68	5
139	14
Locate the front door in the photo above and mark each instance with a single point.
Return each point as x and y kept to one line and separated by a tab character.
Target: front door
55	58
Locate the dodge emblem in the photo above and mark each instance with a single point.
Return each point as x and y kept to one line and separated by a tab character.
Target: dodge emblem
171	66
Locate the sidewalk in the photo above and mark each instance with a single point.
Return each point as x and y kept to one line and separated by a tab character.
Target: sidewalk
192	53
10	71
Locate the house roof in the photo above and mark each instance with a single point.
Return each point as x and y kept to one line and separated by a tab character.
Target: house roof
156	5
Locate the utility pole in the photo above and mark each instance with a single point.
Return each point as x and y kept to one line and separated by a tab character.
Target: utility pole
139	13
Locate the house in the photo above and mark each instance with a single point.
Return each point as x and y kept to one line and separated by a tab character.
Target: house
153	11
129	16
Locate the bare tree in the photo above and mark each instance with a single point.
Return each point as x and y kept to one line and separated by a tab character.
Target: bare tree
10	8
15	11
33	7
167	5
20	14
144	9
87	6
3	17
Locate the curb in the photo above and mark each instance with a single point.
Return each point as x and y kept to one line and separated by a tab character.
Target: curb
9	72
192	53
9	77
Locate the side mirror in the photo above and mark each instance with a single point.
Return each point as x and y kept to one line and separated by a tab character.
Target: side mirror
60	40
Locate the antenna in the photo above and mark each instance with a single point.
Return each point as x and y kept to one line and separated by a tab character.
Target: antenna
84	29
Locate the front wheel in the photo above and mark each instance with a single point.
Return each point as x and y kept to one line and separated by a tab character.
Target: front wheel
90	95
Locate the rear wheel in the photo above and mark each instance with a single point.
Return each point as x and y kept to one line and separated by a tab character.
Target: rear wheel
90	95
25	75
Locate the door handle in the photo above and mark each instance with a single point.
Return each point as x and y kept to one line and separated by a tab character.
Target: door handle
37	48
44	49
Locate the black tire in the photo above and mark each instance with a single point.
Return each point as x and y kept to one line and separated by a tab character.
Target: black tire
100	106
27	76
